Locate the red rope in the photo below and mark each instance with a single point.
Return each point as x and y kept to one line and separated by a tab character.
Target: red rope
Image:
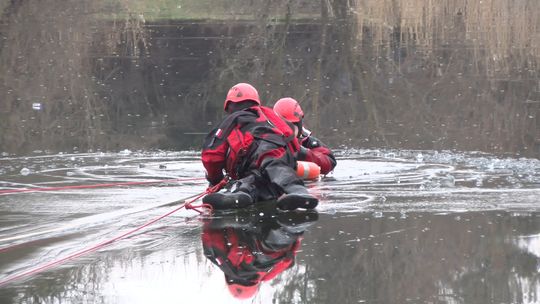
197	207
212	189
187	204
11	191
97	246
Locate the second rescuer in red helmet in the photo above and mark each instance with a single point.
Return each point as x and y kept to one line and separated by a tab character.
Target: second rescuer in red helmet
311	149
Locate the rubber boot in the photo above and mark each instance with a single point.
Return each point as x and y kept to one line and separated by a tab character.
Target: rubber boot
228	200
242	194
296	196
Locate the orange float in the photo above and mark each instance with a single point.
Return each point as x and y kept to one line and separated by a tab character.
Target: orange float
307	170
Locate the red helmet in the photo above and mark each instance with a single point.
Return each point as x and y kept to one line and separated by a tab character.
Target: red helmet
241	92
289	109
243	292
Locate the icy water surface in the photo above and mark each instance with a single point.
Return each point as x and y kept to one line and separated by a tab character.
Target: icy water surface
391	227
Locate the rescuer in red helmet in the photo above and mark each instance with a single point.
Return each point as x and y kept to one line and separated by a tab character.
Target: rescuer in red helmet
311	149
254	247
256	150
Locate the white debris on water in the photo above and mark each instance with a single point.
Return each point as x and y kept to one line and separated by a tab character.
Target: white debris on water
378	214
125	152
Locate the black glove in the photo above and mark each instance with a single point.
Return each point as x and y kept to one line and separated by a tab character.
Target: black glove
311	142
302	153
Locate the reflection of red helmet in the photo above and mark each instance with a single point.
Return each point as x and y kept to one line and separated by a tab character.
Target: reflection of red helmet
243	292
289	109
241	92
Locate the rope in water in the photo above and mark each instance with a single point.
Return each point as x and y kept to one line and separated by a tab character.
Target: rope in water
21	190
187	204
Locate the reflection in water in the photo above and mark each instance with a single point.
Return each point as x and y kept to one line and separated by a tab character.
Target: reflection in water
476	257
369	73
392	227
531	244
254	248
470	257
530	287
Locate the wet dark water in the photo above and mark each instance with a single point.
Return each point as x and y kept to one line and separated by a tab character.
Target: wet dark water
392	227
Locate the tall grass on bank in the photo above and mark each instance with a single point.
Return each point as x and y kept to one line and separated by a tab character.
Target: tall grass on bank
47	58
497	29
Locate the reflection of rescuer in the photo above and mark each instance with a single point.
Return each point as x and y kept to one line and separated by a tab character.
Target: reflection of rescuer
311	149
250	250
256	149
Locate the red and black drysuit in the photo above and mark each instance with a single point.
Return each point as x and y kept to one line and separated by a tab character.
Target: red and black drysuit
256	148
313	150
253	250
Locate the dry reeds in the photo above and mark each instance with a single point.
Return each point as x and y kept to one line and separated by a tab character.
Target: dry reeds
498	29
47	58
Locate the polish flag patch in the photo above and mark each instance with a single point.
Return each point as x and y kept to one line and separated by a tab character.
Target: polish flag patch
218	133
